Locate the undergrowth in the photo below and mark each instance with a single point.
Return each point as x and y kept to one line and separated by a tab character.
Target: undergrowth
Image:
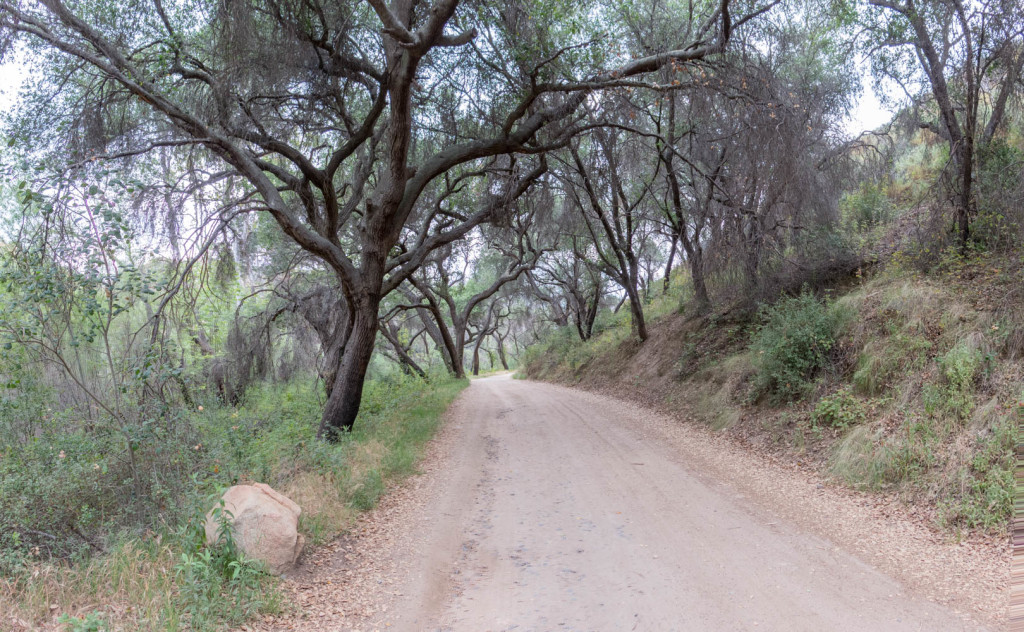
163	577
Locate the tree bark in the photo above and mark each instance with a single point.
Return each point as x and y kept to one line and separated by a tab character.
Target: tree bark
700	287
595	304
637	314
501	352
346	394
476	354
667	281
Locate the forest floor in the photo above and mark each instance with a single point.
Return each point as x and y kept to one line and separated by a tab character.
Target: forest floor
540	507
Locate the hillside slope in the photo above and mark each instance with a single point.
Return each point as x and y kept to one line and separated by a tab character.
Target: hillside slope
916	392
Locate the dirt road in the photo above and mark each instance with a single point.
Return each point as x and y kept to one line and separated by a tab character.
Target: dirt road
552	509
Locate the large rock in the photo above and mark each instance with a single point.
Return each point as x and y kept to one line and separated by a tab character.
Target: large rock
264	523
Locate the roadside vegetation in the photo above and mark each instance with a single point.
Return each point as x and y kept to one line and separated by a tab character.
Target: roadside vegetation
154	571
898	381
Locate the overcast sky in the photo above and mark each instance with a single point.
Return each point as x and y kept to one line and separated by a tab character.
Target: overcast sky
10	80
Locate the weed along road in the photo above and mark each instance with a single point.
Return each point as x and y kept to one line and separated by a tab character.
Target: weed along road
549	509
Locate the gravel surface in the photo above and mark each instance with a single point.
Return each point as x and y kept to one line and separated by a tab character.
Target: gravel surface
546	508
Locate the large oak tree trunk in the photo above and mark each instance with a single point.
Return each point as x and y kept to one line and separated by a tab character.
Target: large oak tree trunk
342	405
459	353
501	352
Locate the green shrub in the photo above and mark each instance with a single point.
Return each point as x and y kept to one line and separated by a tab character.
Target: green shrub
217	584
91	622
793	343
998	224
907	455
74	484
866	207
840	410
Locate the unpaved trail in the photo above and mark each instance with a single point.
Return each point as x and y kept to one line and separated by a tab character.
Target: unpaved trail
544	508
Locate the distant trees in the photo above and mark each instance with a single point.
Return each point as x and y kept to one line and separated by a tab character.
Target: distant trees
607	178
442	291
959	61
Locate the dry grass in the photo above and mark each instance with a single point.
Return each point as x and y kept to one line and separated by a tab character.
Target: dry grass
324	510
132	586
718	387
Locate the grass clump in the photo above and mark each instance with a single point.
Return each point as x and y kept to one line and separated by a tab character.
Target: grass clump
983	488
960	368
885	359
794	341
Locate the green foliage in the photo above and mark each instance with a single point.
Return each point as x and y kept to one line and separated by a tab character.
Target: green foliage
368	491
562	351
218	585
270	437
999	224
840	410
794	341
870	461
908	455
92	622
866	208
884	359
960	368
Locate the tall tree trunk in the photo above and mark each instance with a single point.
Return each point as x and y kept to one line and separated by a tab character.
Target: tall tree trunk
667	281
476	357
595	304
434	333
964	205
451	349
501	352
636	311
578	318
458	350
346	394
636	306
752	254
700	288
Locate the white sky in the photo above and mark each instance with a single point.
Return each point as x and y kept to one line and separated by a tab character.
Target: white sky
868	113
12	74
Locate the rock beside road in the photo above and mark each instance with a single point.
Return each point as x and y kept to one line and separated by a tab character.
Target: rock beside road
264	523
